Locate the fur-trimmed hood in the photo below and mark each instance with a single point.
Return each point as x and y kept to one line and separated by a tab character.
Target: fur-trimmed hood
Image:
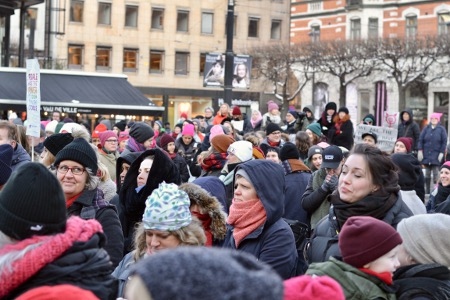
210	205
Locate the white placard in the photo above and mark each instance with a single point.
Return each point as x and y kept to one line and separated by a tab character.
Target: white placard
386	137
33	98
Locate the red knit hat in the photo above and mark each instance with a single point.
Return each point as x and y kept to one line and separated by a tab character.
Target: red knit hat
407	141
105	135
99	128
63	291
165	140
364	239
311	288
236	111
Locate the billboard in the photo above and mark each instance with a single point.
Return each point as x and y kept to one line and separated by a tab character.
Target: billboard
215	71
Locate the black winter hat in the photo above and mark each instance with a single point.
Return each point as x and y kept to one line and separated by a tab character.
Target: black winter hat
81	152
56	142
141	132
331	105
38	209
289	151
272	127
409	170
121	125
343	109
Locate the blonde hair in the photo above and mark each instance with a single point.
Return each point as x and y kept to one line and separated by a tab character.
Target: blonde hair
190	235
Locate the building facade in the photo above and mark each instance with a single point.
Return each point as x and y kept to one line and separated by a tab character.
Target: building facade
366	19
160	45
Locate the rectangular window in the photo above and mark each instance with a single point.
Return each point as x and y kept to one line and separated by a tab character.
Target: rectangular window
207	22
355	29
181	63
444	23
275	30
131	16
411	27
156	61
75	56
104	13
130	60
315	33
373	28
103	58
253	27
202	63
315	6
182	21
76	10
157	18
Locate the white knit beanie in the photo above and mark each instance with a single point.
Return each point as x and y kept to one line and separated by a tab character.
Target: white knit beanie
425	238
242	149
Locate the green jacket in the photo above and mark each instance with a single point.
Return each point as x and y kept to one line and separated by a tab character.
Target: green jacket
355	283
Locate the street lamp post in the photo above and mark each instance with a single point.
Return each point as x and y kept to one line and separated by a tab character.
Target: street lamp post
229	55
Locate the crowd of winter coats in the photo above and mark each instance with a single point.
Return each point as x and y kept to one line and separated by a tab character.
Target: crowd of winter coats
225	206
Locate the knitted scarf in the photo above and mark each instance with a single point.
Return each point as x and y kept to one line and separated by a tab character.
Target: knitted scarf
39	251
255	122
442	193
375	205
245	217
273	144
215	161
386	277
134	146
206	224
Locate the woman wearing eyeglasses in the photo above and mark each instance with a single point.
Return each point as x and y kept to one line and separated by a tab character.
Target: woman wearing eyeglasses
109	153
76	169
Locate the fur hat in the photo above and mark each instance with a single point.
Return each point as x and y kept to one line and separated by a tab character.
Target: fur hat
106	135
242	150
56	142
289	151
315	128
165	140
221	142
236	111
188	129
141	132
175	275
425	238
6	153
312	288
79	150
364	239
271	105
38	209
407	141
272	127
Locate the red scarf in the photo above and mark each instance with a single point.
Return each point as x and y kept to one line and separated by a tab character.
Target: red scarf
70	201
172	155
246	217
273	144
386	277
206	223
215	161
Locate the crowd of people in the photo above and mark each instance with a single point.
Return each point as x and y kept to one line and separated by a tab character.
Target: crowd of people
225	206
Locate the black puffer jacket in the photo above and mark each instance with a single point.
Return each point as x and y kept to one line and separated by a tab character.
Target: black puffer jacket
324	242
409	128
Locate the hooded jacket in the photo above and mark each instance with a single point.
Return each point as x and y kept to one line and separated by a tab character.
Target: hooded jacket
209	205
131	203
409	129
20	157
273	242
215	187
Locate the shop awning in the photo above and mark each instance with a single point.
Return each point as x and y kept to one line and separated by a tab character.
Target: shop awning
79	91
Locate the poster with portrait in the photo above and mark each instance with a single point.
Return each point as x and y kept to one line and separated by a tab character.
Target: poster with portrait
214	74
241	71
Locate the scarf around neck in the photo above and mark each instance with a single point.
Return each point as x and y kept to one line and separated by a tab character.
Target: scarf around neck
215	161
206	224
442	193
246	217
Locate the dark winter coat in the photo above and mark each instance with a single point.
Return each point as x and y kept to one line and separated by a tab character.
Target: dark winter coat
342	137
432	142
132	204
215	187
91	205
427	281
297	176
273	242
180	162
409	129
324	124
250	128
314	199
20	157
324	241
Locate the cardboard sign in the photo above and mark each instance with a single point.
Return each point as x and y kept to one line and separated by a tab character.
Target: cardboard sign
386	136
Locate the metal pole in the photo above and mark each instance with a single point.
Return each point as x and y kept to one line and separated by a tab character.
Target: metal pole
229	55
23	11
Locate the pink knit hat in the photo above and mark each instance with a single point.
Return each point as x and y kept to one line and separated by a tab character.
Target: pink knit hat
188	129
272	105
106	135
307	287
436	115
215	130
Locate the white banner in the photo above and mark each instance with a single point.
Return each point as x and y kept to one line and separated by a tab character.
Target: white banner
386	137
33	98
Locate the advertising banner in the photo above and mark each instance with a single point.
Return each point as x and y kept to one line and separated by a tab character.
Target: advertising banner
33	98
215	71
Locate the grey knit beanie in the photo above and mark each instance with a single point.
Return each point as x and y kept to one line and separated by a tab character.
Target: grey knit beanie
425	238
208	273
141	132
